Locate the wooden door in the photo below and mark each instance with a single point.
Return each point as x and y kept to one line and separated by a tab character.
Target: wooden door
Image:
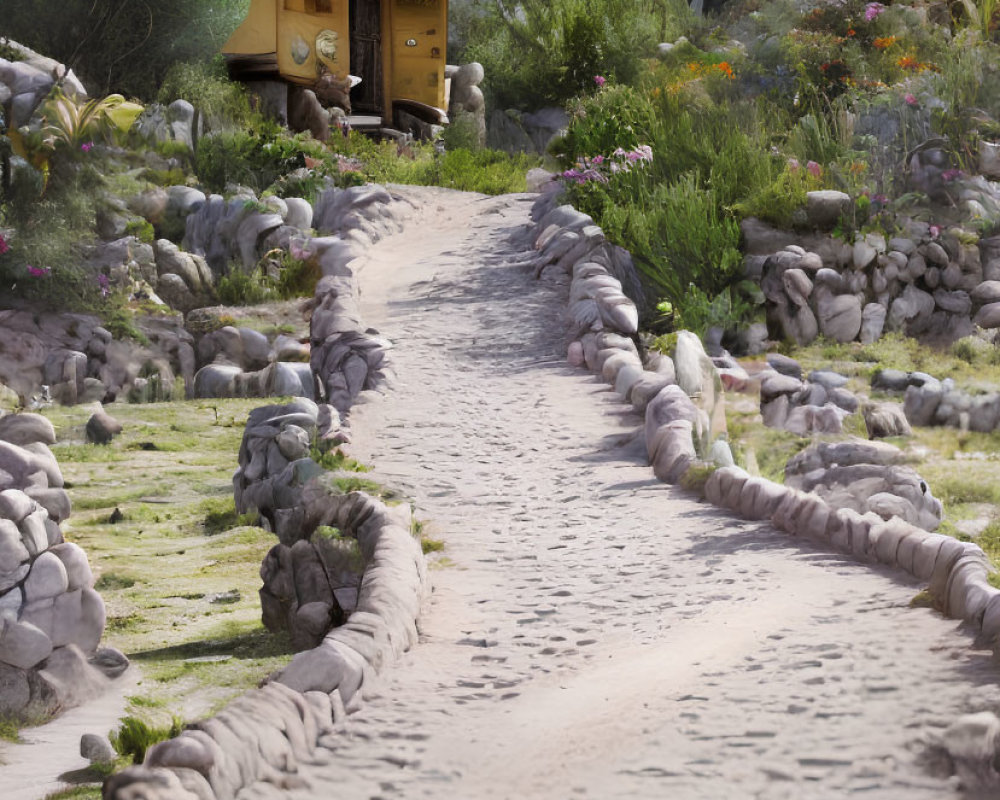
366	54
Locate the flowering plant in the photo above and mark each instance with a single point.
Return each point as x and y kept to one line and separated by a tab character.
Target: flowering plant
599	168
4	246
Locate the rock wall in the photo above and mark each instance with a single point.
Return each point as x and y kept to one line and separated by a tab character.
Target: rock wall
79	361
51	619
347	577
933	284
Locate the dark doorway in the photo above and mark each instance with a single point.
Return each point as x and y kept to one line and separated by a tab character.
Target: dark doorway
366	54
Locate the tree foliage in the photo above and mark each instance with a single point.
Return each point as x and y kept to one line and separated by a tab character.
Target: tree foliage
122	46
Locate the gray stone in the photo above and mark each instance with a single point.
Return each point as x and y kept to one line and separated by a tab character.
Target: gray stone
46	579
97	749
873	317
986	293
843	399
988	316
784	365
828	379
13	553
777	384
839	317
885	419
921	402
22	429
15	505
102	427
972	743
824	208
935	254
110	661
863	254
74	559
688	362
22	645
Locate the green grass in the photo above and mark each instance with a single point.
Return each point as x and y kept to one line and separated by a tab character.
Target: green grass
178	542
89	792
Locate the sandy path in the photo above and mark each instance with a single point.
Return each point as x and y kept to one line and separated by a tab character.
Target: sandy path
598	634
49	757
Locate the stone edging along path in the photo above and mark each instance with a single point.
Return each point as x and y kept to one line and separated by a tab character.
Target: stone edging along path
259	739
601	323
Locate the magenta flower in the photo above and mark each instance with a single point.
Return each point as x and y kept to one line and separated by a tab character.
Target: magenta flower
951	174
600	80
38	272
4	247
87	147
598	160
872	10
910	99
814	169
935	231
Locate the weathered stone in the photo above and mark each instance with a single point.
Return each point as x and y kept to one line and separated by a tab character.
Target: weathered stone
47	578
885	419
988	316
784	365
97	749
839	317
22	645
825	207
873	317
102	427
23	429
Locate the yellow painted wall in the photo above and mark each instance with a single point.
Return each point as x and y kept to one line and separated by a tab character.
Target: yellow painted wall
410	72
417	72
257	32
297	30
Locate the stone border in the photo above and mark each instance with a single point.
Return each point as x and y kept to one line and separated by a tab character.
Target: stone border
600	325
263	735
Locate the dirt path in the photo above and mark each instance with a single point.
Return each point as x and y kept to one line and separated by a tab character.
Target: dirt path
595	633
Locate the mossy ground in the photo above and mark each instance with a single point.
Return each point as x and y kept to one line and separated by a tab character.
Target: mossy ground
960	466
179	571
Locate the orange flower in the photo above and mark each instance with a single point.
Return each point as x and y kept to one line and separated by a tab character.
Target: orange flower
884	42
693	66
725	69
851	31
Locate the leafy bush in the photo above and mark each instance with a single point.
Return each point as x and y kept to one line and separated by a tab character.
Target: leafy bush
244	288
544	53
223	104
249	158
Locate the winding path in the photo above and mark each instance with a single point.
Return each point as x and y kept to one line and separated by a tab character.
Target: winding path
594	633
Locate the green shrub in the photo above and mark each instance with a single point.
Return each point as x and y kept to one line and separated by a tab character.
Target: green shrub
134	737
255	158
222	103
242	287
141	229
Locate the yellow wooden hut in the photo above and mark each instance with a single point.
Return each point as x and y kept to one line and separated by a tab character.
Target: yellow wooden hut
396	48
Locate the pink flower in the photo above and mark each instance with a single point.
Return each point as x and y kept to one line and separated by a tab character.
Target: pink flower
814	169
872	10
951	174
935	231
600	80
38	272
910	99
87	147
4	247
793	164
598	160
